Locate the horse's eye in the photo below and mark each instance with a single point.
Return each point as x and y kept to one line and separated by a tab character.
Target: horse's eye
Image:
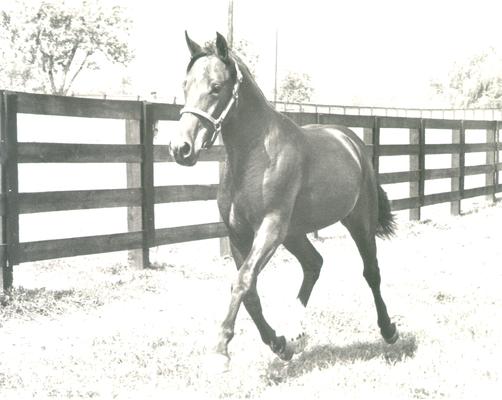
184	84
216	88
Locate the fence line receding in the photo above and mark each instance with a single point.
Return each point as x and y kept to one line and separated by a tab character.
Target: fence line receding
139	154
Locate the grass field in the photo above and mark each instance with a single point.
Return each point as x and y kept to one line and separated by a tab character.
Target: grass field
93	327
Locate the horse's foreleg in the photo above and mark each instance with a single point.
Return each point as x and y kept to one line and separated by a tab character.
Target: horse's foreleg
252	300
268	237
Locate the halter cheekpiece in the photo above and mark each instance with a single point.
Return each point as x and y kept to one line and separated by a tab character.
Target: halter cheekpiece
217	122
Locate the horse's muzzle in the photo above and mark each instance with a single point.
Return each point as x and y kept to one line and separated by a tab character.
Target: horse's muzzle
184	154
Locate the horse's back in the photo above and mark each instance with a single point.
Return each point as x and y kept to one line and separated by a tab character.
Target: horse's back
322	135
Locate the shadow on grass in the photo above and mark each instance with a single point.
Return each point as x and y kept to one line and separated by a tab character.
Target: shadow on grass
323	357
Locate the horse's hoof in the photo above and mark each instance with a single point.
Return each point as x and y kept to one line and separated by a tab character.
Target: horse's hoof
392	338
216	363
286	354
281	348
288	348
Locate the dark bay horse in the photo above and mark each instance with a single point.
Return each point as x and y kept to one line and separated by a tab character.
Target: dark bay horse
281	181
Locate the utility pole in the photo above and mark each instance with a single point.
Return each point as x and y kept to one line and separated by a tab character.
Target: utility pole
230	21
275	73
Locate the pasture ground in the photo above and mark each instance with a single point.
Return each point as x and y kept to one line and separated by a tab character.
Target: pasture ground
93	327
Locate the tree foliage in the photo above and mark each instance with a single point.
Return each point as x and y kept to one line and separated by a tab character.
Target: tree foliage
476	82
295	88
245	51
45	47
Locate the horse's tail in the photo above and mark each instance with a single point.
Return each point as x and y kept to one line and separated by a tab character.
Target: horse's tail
386	223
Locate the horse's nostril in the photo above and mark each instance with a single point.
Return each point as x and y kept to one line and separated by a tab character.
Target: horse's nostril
185	150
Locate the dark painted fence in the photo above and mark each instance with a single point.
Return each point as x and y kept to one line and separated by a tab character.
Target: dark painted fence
140	154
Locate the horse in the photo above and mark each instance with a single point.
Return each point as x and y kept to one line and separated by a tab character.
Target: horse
280	182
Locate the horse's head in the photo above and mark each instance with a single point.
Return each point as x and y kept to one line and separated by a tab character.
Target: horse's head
211	89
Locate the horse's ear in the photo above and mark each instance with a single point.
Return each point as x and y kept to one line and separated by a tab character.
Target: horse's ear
221	46
192	46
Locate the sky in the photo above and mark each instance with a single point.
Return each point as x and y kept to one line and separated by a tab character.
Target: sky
357	52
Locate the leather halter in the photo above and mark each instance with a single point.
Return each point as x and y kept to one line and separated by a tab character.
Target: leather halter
217	122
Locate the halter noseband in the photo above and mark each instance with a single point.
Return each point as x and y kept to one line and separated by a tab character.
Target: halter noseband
217	122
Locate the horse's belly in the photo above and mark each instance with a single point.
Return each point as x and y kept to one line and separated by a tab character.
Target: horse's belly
330	191
322	207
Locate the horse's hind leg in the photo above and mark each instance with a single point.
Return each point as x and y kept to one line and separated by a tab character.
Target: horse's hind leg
311	262
363	233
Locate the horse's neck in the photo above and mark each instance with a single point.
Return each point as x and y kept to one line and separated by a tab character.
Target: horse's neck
246	130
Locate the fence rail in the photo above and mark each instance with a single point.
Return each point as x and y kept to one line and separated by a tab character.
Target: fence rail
436	113
140	154
383	111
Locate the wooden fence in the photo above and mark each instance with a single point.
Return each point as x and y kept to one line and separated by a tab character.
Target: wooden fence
140	154
440	113
382	111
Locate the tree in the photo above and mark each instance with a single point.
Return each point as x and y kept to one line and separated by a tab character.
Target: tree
476	82
296	88
247	54
46	47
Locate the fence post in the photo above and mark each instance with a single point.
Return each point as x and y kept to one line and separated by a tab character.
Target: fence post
9	188
371	136
490	177
414	134
148	127
141	176
458	162
417	163
498	146
376	145
134	218
225	250
3	191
